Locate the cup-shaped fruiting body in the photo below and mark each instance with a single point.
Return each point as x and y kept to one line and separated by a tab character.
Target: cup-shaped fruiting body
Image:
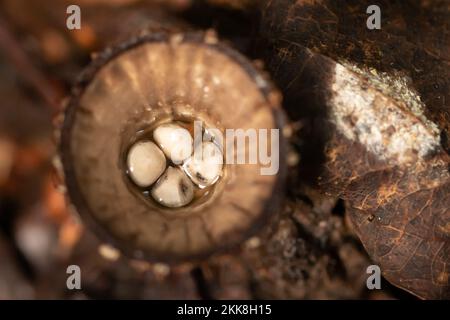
146	162
129	92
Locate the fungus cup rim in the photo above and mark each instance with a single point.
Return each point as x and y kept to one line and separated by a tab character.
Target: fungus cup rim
269	92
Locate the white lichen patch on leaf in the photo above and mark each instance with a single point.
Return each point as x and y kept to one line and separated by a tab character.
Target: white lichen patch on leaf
395	129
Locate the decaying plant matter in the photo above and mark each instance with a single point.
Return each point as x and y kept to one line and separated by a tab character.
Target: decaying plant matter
383	99
368	160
